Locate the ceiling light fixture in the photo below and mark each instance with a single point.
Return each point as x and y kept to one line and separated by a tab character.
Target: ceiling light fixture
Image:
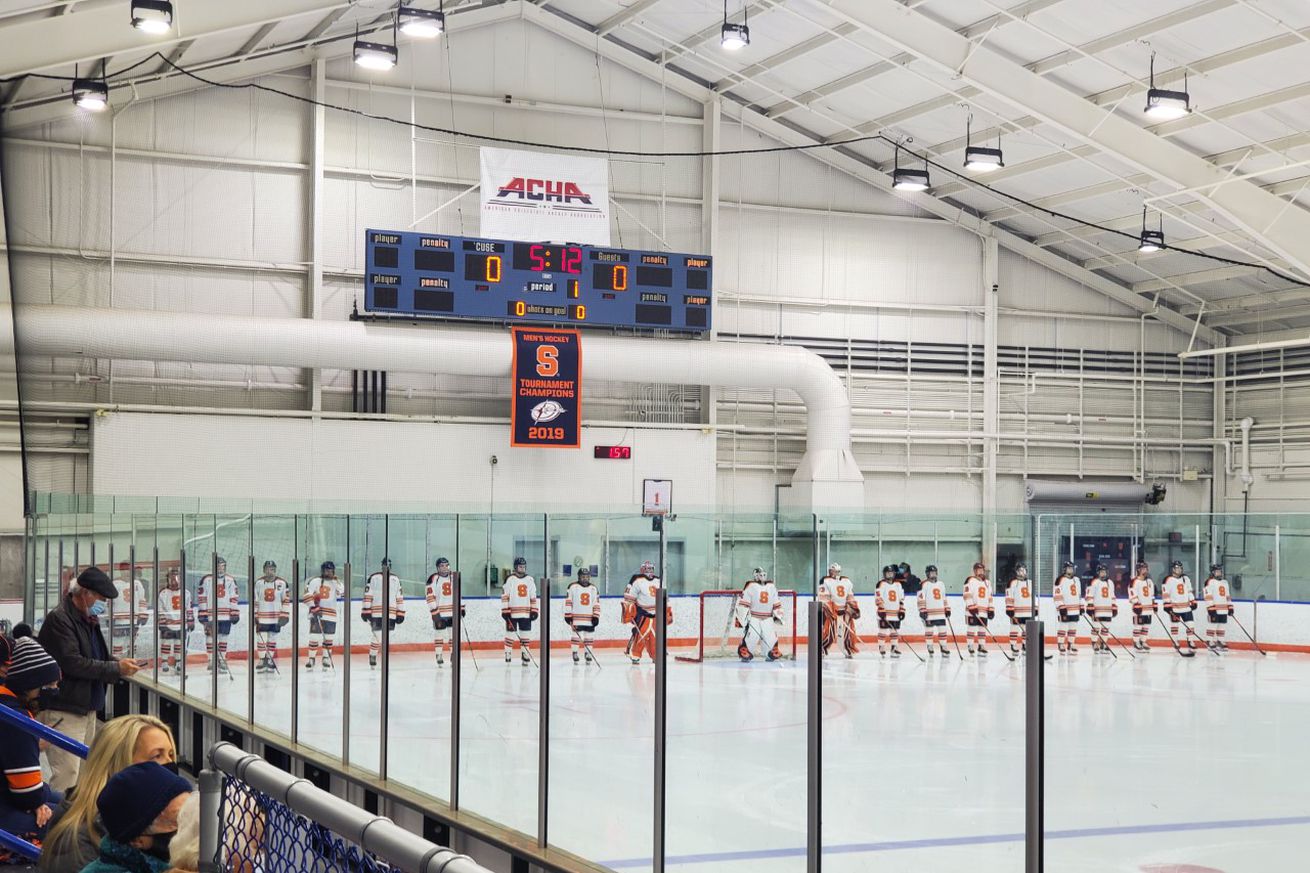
375	55
152	16
906	178
1151	240
90	94
734	37
1164	104
978	158
422	23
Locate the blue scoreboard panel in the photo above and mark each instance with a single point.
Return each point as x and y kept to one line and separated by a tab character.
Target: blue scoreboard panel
419	274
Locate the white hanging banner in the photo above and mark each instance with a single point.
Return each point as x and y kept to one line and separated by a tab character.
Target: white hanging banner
541	197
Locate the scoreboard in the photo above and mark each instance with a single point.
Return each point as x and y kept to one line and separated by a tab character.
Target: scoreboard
420	274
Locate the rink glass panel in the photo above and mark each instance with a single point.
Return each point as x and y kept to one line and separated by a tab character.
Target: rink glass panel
320	709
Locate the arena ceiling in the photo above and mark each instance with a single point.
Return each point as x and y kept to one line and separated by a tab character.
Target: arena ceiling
1063	83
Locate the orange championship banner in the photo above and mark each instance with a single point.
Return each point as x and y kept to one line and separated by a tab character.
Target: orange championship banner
546	406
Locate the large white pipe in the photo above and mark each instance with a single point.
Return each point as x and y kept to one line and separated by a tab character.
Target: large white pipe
137	335
1247	478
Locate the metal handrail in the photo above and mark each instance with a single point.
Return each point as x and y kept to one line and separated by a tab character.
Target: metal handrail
377	834
27	724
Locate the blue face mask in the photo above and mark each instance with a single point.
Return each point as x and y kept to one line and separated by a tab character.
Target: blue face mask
97	609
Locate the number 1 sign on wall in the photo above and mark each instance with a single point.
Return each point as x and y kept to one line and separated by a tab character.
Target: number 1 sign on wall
656	496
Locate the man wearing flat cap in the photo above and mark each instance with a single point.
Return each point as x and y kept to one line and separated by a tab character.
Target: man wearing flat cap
71	634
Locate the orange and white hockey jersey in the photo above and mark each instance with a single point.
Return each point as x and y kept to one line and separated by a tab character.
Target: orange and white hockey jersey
272	600
323	596
1019	598
1100	598
174	609
1141	594
373	594
978	595
1178	594
582	604
839	592
218	601
889	599
1218	597
441	595
127	609
1068	595
641	593
932	599
760	599
518	597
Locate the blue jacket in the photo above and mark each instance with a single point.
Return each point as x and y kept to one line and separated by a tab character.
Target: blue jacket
120	858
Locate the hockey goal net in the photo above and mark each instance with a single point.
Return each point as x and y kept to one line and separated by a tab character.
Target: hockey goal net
716	634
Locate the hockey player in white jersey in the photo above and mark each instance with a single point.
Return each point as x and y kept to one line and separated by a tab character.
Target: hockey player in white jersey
519	608
323	593
639	606
1068	609
1102	607
218	602
841	609
1141	596
934	610
1180	601
979	607
440	597
758	612
1019	604
889	600
582	613
174	618
374	610
1218	606
129	612
272	612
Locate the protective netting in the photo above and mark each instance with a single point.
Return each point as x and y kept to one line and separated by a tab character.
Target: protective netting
258	833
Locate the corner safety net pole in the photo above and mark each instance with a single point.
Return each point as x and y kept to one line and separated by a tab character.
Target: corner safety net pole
543	703
814	750
661	714
1034	776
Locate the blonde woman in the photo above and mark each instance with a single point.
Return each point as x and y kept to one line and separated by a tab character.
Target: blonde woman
73	840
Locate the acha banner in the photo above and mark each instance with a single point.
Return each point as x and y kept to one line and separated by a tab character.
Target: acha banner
546	408
540	197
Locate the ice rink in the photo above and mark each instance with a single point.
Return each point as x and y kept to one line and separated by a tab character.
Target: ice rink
1154	764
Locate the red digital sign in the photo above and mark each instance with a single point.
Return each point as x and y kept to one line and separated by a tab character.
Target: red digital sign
614	453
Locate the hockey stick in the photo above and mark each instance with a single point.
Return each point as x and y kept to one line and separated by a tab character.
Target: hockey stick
1092	625
1177	648
586	645
902	639
955	639
1233	616
1120	642
988	631
472	655
1204	644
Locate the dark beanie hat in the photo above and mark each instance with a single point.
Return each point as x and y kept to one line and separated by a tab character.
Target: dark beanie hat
30	667
133	798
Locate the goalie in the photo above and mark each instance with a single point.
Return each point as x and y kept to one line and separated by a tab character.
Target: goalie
639	609
840	609
758	604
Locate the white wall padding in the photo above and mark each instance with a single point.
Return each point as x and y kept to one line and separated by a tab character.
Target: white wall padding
230	339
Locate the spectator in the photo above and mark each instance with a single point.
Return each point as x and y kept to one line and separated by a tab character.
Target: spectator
72	635
184	850
139	807
73	839
26	802
6	649
909	581
22	629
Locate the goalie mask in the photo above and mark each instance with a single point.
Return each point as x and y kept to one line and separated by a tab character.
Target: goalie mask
760	575
1021	571
1067	568
648	569
834	569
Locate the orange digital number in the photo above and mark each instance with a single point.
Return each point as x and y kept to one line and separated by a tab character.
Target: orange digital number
580	313
547	361
620	282
493	268
520	308
523	591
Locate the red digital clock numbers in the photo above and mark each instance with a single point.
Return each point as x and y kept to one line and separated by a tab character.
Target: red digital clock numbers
542	258
614	453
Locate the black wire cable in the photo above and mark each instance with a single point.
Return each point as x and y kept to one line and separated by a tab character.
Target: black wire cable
765	150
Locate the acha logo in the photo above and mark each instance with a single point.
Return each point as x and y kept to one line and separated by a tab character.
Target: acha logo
547	410
545	190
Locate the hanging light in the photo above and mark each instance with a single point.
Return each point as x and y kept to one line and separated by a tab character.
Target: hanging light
907	178
375	55
1150	240
152	16
978	158
734	37
1164	104
422	23
90	94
